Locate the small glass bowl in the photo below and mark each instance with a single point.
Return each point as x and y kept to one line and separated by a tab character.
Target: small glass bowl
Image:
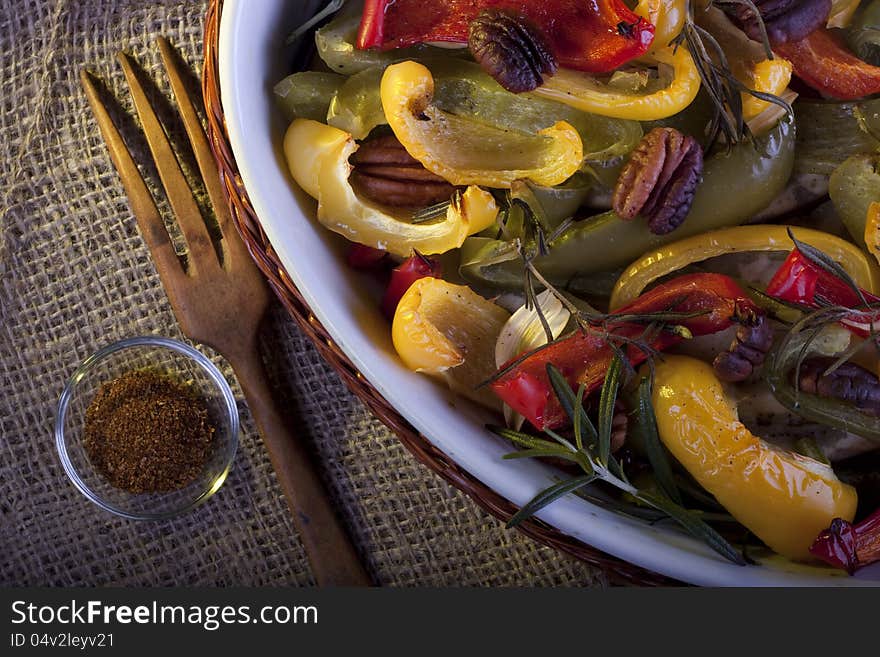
182	363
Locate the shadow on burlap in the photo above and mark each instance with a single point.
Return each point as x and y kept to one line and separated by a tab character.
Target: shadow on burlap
75	275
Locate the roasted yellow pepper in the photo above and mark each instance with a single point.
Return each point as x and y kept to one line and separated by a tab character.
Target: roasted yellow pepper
842	12
317	155
739	239
872	230
588	94
784	498
450	331
769	76
468	152
667	17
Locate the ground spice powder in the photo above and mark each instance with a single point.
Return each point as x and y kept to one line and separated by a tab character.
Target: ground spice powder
147	433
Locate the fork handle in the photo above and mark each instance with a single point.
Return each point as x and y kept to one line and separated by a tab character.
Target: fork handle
332	555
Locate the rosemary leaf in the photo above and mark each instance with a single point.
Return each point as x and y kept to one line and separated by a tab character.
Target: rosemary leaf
847	355
693	490
526	440
548	496
533	303
568	401
659	316
559	439
332	7
647	423
694	525
578	409
559	452
607	400
516	361
431	212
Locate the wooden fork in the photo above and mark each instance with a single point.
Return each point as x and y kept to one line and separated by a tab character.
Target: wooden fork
220	301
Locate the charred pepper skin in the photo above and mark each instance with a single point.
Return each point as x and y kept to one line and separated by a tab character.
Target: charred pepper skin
825	63
583	36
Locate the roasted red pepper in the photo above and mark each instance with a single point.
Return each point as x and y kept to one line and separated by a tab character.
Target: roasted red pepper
801	281
360	256
596	36
825	64
410	270
584	357
849	546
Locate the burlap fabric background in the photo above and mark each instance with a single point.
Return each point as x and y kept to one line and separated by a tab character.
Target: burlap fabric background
75	275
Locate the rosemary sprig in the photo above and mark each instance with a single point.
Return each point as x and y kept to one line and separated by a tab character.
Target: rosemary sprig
332	7
431	212
589	457
759	19
550	495
607	400
722	87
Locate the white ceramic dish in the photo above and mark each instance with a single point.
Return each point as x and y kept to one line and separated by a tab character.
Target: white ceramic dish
252	59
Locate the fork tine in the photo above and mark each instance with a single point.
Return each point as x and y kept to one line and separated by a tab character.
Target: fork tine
180	195
197	138
142	204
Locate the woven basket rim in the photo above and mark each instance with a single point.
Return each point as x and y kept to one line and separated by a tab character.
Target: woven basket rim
248	225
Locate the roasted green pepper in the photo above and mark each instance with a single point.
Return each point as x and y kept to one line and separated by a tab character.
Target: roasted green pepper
736	185
853	186
829	132
357	107
862	35
308	94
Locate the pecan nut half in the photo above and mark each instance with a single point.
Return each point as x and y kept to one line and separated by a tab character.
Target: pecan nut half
754	337
849	382
385	173
511	49
660	180
784	20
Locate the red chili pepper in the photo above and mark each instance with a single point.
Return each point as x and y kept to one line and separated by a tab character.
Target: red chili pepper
596	36
801	281
410	270
825	64
584	357
849	546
